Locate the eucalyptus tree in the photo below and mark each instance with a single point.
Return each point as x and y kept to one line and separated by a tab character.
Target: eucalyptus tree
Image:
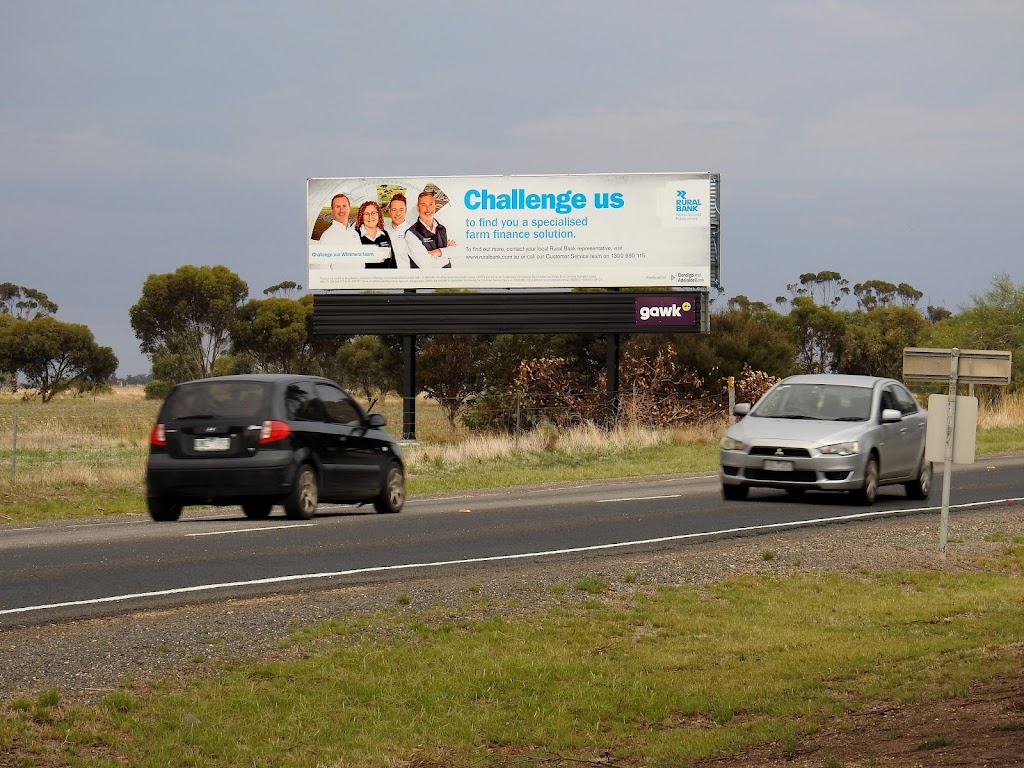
184	319
828	285
24	303
276	336
368	366
54	356
874	340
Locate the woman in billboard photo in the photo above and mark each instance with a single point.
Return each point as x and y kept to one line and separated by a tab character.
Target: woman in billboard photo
370	225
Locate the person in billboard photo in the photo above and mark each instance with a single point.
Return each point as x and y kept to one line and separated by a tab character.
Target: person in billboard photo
340	233
370	225
427	237
396	230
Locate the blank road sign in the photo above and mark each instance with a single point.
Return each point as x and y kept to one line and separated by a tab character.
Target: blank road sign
965	429
977	366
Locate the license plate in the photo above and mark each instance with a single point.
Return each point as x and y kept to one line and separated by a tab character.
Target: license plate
774	465
212	443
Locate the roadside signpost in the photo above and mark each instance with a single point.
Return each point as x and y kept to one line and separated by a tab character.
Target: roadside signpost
954	441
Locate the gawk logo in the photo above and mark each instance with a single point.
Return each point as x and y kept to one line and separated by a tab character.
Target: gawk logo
662	310
646	313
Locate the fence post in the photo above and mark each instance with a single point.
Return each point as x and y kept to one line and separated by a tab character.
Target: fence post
732	399
519	399
14	446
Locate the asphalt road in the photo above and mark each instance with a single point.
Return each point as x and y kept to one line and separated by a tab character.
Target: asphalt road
60	570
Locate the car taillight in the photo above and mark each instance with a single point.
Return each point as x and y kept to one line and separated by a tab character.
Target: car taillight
272	431
158	435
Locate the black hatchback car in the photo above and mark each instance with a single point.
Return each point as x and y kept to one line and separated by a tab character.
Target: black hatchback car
266	439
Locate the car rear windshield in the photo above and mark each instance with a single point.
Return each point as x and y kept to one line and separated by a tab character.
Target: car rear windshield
218	400
823	402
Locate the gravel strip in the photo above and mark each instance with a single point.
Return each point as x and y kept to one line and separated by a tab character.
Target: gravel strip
90	658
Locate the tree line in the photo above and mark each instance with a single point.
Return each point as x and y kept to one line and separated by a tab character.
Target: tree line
200	321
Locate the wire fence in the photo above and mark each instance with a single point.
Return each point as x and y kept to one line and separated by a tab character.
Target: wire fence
80	440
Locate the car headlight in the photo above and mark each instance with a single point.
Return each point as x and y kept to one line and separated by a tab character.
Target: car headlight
731	444
841	449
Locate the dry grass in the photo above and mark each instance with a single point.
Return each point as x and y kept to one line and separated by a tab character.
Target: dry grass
584	439
1007	411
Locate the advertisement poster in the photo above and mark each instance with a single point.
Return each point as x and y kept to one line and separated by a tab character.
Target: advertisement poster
570	231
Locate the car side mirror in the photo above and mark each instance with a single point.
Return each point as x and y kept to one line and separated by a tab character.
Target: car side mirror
890	415
377	420
741	409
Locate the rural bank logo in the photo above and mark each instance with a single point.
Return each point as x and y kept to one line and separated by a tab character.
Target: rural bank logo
666	310
687	208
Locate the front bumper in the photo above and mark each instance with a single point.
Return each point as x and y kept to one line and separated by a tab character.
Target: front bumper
821	472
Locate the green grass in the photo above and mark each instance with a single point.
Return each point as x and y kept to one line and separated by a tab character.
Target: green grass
659	677
1000	439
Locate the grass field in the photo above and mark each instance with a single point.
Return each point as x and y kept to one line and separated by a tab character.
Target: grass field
655	677
82	457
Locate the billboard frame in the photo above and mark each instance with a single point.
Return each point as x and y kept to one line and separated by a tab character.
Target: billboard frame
662	230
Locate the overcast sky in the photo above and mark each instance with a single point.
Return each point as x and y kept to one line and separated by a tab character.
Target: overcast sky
881	139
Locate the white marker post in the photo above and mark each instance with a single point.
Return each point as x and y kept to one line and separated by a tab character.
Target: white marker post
947	467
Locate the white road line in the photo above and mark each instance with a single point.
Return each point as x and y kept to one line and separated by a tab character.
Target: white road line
493	559
111	522
250	530
640	498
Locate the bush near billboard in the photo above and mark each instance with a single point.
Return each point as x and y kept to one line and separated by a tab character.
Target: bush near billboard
569	231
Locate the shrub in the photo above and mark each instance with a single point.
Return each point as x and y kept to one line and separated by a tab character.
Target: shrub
157	389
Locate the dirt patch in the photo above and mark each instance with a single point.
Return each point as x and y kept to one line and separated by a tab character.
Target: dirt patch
985	728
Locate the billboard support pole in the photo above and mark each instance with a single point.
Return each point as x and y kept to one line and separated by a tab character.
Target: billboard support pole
612	371
947	471
408	387
612	364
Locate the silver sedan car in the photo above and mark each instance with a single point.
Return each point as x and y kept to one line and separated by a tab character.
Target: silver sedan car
828	432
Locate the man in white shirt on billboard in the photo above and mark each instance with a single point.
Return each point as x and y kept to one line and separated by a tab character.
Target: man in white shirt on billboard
427	238
340	233
396	229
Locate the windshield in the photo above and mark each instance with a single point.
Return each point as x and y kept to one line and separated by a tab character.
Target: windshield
822	402
216	400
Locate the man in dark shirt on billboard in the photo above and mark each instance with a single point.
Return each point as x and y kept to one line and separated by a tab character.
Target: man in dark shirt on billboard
427	238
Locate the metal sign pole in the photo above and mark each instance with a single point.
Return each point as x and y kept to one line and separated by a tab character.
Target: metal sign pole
947	472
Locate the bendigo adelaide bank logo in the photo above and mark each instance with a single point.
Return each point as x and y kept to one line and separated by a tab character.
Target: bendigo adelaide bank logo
672	309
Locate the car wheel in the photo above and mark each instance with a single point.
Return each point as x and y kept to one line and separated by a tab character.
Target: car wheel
734	492
164	510
392	495
300	504
921	488
869	490
257	509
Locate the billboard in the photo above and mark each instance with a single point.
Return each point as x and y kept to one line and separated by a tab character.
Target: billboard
576	231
